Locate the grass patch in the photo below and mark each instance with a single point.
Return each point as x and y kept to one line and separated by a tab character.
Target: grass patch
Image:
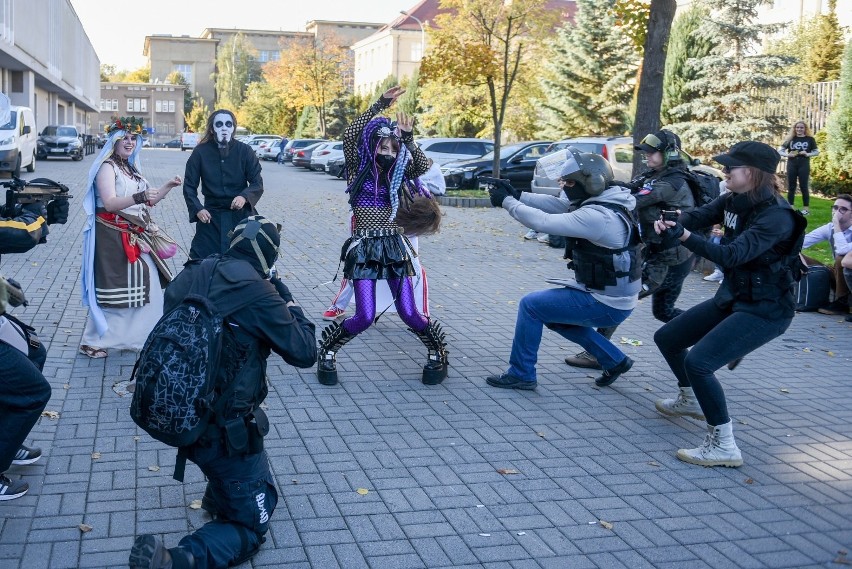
469	194
820	215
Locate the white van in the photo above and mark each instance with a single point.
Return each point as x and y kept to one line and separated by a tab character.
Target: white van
18	141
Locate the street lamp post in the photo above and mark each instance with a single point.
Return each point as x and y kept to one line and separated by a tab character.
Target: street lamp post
422	32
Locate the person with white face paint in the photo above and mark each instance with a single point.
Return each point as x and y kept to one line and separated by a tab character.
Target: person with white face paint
229	174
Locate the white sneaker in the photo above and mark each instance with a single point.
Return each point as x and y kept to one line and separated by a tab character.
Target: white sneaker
543	238
716	276
531	234
685	405
718	449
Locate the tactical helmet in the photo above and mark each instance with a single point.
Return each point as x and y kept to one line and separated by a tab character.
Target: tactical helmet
664	141
256	238
592	171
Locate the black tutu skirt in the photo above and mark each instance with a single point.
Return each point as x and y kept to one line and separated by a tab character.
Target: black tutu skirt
377	258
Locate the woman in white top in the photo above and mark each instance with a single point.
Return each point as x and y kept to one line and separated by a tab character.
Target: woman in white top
121	284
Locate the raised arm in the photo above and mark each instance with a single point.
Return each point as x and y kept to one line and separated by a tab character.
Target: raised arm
353	131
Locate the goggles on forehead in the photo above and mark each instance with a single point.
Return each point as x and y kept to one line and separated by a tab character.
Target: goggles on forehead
220	124
653	141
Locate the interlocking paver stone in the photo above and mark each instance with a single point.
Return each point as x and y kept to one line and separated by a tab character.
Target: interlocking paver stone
429	456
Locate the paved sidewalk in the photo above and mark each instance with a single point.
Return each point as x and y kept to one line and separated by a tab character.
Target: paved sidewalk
384	472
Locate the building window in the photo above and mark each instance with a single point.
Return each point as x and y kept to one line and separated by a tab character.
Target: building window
158	106
171	106
184	69
129	105
144	105
115	104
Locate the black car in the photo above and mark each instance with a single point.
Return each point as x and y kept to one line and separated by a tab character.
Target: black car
59	141
295	145
335	167
172	143
517	164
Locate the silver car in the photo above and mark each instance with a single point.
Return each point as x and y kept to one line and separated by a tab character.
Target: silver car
618	150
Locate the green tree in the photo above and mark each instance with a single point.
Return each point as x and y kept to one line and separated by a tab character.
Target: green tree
833	167
733	81
177	78
684	44
490	43
452	111
590	73
263	109
141	75
825	48
108	71
196	118
236	67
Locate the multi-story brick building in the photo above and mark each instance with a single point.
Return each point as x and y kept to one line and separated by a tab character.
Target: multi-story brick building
195	58
159	104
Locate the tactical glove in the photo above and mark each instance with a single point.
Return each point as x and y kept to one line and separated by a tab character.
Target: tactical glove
499	190
57	211
282	289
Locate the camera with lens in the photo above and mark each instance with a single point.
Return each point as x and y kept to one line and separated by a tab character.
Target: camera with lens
668	215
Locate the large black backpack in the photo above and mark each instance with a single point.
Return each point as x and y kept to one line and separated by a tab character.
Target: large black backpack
176	371
705	187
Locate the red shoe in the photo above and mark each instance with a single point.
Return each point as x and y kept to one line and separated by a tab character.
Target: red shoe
332	313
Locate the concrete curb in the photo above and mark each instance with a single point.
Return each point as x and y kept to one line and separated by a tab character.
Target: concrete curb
453	201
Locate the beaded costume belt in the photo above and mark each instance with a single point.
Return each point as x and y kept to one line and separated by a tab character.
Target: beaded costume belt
381	232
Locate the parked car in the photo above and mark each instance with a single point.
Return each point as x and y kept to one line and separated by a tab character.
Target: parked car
60	141
297	144
259	142
269	149
188	140
321	156
174	143
335	167
302	157
618	150
444	150
100	140
517	162
18	145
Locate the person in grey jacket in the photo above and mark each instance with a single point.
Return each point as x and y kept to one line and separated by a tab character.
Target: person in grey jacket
606	255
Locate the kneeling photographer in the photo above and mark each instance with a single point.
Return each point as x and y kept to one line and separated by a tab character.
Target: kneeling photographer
24	392
606	255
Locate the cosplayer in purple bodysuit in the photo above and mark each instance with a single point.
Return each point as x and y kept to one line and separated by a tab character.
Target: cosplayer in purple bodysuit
387	200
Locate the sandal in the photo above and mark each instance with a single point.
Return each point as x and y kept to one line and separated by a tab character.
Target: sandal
92	352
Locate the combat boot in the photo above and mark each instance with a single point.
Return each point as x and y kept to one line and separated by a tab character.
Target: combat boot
148	552
334	337
718	449
685	405
433	337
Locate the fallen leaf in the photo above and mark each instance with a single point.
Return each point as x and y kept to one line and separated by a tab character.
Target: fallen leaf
96	455
742	422
605	525
507	471
485	535
653	463
649	388
785	390
631	341
841	558
136	438
806	349
522	533
362	491
195	505
830	354
85	528
50	414
295	481
66	386
749	481
540	434
154	468
480	505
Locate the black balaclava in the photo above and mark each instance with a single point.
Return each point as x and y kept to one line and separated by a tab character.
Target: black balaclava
255	240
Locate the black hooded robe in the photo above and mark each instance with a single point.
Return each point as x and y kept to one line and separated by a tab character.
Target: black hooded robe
223	176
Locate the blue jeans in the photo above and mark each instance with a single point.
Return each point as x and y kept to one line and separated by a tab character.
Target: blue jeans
717	336
571	313
243	492
24	393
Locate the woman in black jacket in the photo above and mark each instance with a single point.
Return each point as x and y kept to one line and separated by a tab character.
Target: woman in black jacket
754	303
798	148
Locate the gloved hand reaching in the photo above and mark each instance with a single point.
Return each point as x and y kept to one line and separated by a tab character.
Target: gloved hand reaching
282	289
674	232
57	211
499	190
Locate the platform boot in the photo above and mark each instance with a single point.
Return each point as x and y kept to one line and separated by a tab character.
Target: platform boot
433	338
334	337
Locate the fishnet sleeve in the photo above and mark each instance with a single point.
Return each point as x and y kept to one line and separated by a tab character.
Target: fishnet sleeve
353	132
419	164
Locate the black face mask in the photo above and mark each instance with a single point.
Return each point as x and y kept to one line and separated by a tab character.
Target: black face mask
385	162
576	192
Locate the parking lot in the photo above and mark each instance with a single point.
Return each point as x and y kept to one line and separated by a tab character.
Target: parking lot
384	472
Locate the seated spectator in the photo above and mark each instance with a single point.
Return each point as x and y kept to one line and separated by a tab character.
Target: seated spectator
838	233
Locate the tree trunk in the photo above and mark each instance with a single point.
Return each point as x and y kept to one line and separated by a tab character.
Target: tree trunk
650	95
